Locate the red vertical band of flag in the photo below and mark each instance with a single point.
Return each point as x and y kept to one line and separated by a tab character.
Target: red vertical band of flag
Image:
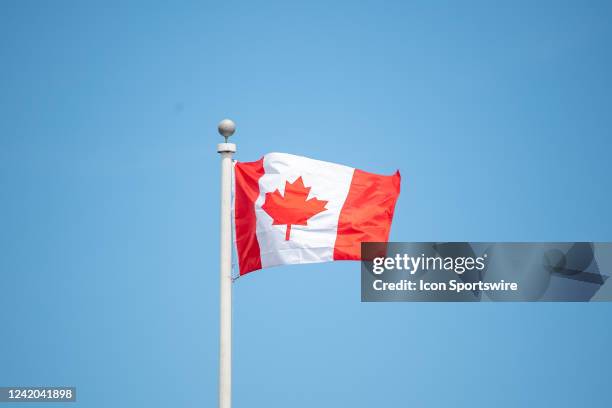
367	213
247	190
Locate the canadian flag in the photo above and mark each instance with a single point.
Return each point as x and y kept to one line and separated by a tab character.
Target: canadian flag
290	209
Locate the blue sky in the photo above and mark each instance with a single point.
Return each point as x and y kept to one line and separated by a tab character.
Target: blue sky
497	115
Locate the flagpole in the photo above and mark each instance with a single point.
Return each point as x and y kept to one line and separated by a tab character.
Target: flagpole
226	129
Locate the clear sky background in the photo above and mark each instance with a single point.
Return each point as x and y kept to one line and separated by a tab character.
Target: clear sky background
498	115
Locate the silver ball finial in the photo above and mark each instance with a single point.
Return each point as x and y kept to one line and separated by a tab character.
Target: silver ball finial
226	128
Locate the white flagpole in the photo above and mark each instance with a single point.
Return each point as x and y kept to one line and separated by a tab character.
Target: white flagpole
226	129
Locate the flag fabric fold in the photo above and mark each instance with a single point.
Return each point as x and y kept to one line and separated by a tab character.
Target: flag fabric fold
291	209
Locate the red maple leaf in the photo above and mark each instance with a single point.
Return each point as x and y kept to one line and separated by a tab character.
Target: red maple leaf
294	208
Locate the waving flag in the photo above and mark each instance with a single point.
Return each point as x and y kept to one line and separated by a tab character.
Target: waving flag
291	209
